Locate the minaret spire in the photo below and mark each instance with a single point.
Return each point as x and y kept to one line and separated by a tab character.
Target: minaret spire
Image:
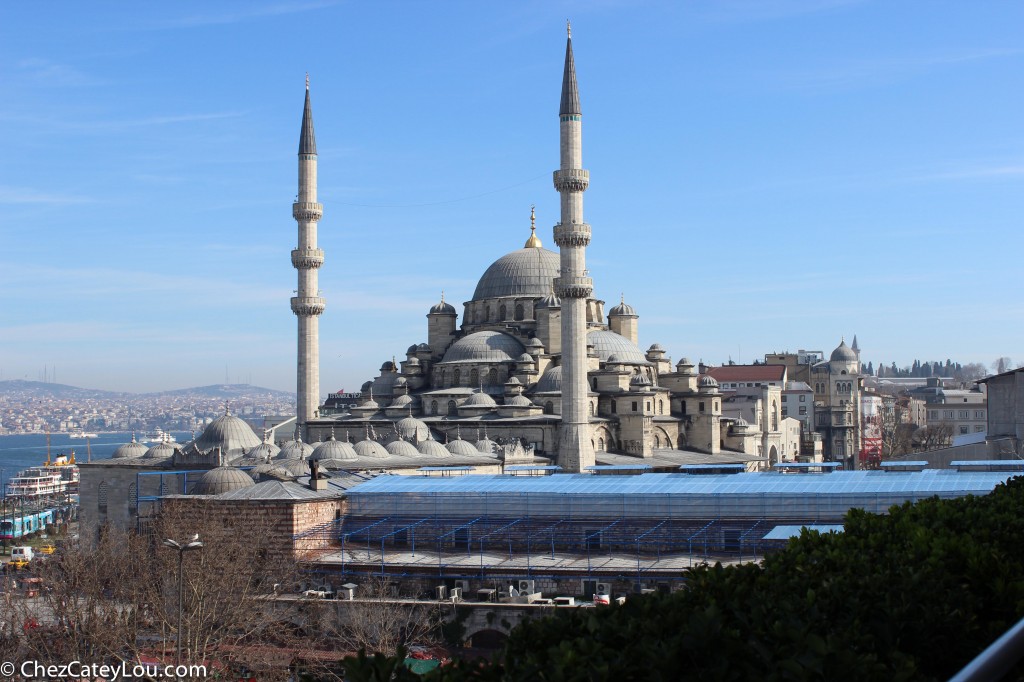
573	286
307	259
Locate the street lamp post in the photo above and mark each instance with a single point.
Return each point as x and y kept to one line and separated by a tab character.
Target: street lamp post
181	549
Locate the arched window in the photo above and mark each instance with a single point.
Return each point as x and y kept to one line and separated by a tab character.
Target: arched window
661	407
455	377
519	311
591	409
433	407
474	377
452	408
657	441
487	313
501	312
101	498
647	406
600	444
775	416
492	377
549	407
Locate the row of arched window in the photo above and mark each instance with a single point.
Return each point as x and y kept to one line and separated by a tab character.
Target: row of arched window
490	379
518	314
845	387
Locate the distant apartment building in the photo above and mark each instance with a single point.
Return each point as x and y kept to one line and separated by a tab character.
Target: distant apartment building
965	411
1005	405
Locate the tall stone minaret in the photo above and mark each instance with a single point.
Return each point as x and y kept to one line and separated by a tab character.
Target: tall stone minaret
307	305
575	452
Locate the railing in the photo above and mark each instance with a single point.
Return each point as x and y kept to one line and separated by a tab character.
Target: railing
997	660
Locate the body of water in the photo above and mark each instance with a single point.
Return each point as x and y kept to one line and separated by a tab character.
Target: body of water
20	451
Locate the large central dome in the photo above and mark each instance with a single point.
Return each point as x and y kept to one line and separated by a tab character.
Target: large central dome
527	272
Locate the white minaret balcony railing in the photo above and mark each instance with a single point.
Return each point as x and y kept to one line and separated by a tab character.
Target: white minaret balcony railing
307	259
574	287
307	211
308	306
572	234
571	179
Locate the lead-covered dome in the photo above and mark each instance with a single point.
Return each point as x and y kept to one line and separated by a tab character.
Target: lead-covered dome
526	272
229	433
550	382
413	429
843	353
333	449
607	343
489	346
130	450
222	480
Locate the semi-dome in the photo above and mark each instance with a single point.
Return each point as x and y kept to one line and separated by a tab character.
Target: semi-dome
606	343
431	448
370	448
487	346
527	272
402	448
160	451
843	353
333	449
229	433
130	450
550	382
411	428
222	480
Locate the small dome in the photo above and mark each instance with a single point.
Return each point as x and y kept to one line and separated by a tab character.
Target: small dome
525	357
461	448
366	386
412	362
535	344
442	308
684	362
266	468
550	382
369	403
402	448
741	423
411	349
656	348
229	433
518	401
639	380
514	381
370	448
264	451
333	449
549	301
295	449
486	446
130	450
222	480
488	346
614	359
843	353
411	428
160	451
401	381
401	401
296	467
422	347
479	399
708	381
431	448
622	309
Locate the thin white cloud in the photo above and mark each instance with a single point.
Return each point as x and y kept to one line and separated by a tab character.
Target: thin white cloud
46	73
870	72
250	14
27	195
977	172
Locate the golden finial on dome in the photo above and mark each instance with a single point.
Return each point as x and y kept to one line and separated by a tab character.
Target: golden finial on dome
533	242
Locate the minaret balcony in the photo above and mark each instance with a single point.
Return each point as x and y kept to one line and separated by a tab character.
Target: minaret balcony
571	179
574	287
308	306
573	234
307	259
308	211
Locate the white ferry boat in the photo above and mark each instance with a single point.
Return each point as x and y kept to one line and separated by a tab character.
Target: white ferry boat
50	479
158	435
82	434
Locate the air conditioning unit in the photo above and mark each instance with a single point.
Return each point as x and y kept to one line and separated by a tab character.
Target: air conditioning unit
604	588
526	587
442	592
456	594
462	585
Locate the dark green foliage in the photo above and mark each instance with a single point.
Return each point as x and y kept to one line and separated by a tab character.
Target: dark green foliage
913	595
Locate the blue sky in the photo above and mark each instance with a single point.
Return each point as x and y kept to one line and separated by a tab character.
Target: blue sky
765	175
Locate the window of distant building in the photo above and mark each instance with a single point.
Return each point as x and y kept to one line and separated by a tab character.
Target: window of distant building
433	407
802	398
979	414
700	406
549	407
519	312
964	414
803	410
634	406
979	429
452	408
963	430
